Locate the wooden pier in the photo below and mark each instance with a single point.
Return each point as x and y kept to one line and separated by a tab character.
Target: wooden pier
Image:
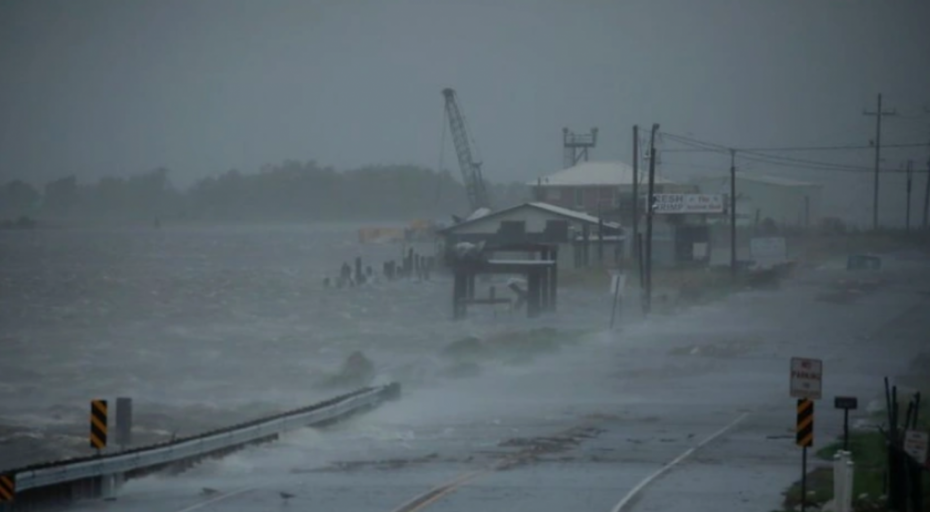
541	276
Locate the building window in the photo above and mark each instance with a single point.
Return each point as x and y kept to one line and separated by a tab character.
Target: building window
556	231
553	194
579	196
513	229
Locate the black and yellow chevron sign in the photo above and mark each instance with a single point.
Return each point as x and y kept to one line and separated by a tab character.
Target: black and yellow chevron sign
98	424
805	429
7	488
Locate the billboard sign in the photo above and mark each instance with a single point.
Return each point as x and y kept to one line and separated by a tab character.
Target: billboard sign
687	203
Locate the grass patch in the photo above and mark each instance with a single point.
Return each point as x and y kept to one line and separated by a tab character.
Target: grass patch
866	447
870	456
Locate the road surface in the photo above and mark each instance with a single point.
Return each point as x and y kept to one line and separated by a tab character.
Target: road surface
690	412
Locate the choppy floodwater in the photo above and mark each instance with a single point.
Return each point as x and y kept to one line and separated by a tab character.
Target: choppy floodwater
224	318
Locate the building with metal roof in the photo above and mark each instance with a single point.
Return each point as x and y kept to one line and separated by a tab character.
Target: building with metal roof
761	198
581	238
599	188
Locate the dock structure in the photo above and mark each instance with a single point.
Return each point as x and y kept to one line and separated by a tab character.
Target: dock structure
541	276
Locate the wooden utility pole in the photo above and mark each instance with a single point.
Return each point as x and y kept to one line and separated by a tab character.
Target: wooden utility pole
879	113
649	214
733	212
907	215
635	220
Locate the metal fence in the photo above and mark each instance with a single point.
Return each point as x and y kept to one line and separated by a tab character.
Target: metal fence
137	460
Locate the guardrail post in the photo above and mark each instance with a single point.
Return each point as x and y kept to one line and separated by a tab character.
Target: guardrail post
94	477
850	474
839	482
110	485
842	481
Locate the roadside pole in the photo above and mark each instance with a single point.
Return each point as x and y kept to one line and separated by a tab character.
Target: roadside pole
635	220
927	189
98	425
617	282
846	403
804	438
907	217
927	196
649	215
733	212
806	384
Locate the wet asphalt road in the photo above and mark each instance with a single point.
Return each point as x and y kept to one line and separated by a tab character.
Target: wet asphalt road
683	413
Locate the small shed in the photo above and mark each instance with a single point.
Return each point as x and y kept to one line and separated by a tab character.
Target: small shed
583	240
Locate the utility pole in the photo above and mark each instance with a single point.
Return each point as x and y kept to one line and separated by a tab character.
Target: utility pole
879	113
649	214
927	196
907	216
733	212
635	219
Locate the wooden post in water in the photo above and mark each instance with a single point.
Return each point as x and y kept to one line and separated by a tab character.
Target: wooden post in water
544	288
554	279
586	243
532	304
458	294
359	277
408	263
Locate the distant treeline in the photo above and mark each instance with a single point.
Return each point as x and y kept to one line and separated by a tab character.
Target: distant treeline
291	191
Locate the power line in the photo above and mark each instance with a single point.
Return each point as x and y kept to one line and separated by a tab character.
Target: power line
813	163
804	148
688	141
768	158
756	155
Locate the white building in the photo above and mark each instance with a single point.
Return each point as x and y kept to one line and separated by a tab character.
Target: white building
542	223
787	202
606	189
596	187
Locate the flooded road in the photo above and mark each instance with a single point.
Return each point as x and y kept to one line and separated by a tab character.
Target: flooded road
690	411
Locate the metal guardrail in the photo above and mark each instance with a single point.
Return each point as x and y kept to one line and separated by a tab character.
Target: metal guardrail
200	445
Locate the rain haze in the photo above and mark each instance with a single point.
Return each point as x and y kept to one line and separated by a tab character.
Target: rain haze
229	210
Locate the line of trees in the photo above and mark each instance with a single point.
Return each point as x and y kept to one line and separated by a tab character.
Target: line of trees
290	191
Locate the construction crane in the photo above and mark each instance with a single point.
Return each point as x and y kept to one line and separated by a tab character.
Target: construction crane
475	186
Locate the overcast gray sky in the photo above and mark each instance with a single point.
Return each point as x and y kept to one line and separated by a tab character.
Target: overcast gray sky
97	87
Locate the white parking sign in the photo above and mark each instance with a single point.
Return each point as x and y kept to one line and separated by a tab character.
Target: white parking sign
806	378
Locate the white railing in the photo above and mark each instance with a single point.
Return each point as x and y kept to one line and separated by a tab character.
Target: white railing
198	446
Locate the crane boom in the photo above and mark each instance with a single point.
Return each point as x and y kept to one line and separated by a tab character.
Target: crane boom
471	170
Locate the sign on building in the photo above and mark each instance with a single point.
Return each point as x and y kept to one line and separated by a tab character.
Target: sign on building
686	203
806	378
